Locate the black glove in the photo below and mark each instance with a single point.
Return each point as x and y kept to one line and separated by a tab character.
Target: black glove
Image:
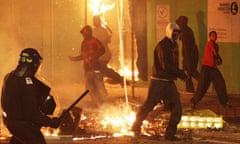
55	122
182	75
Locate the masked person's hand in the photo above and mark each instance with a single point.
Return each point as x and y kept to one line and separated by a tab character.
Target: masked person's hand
55	122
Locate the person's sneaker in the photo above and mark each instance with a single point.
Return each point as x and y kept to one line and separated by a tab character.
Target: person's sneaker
172	138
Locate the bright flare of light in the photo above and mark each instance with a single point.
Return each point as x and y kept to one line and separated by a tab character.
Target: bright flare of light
119	123
3	138
128	73
100	6
50	132
201	122
92	137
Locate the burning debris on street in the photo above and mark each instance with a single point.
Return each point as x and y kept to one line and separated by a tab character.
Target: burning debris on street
53	27
115	120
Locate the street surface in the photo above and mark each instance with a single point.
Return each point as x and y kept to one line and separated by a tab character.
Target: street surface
229	134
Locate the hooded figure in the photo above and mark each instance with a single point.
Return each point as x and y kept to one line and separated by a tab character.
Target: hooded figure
189	52
90	52
162	87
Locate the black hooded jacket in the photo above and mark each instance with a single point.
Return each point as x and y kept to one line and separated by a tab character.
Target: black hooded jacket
165	63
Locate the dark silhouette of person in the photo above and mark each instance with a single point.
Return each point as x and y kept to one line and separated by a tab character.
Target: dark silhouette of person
103	34
189	52
162	87
26	101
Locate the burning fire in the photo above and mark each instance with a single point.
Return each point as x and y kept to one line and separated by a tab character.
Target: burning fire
111	122
50	131
101	6
128	73
120	122
115	121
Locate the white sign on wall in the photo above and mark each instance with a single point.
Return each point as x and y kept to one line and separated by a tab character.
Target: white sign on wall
224	17
162	19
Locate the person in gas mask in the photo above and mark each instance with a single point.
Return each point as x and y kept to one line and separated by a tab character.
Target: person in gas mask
26	101
162	87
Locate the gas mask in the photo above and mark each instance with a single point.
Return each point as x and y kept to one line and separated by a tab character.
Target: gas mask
175	34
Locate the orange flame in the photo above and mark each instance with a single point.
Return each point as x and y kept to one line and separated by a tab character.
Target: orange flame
99	6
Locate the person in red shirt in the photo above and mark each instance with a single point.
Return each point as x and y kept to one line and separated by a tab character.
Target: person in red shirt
210	73
91	50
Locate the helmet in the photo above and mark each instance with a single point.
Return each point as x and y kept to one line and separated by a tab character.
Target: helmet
28	62
30	56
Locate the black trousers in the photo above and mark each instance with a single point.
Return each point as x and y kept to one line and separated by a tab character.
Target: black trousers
109	72
24	133
166	91
189	83
208	75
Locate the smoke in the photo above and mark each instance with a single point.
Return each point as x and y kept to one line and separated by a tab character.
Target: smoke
10	48
11	44
53	28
